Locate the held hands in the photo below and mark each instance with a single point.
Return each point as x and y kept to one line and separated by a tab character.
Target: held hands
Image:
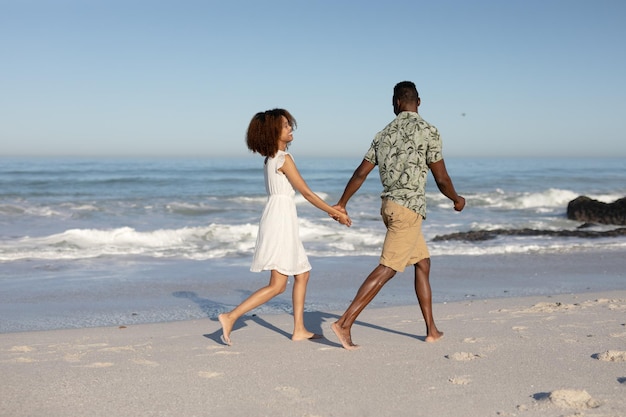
342	218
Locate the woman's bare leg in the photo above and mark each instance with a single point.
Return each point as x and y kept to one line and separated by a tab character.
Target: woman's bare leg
277	285
299	294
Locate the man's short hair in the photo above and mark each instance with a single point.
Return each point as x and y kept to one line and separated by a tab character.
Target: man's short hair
406	92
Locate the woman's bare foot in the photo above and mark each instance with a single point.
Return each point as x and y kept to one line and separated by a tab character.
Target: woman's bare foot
344	337
227	326
305	335
434	336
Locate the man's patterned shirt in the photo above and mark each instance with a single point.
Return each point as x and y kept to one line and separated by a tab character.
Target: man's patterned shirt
403	150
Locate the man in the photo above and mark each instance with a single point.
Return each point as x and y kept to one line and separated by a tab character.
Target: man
404	151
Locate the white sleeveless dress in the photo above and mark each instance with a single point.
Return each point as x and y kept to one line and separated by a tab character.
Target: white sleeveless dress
278	244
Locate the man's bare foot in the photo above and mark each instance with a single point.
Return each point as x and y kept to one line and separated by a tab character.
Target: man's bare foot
305	335
227	326
344	337
435	336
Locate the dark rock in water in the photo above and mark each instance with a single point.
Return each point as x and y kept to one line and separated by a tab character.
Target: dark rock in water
585	209
582	209
480	235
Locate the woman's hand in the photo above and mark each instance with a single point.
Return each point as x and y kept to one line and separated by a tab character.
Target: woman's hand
344	219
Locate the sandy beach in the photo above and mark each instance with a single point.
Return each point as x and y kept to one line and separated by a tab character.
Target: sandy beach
560	355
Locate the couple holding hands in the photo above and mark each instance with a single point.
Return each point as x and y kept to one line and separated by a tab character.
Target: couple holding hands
404	151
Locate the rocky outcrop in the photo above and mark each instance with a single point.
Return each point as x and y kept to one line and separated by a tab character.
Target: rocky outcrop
585	209
479	235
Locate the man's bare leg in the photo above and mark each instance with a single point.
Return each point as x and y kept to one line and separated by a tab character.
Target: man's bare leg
366	293
424	297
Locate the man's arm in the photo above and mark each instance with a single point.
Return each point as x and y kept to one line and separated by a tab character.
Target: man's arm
358	178
444	183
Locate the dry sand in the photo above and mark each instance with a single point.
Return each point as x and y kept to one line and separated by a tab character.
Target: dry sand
563	355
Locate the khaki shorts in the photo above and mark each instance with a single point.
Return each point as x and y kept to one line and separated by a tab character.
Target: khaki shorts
404	243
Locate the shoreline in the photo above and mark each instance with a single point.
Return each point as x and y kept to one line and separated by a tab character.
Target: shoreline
90	295
555	355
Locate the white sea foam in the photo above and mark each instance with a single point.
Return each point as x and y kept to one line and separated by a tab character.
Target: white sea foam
25	209
324	238
521	247
551	198
190	242
301	200
11	210
80	207
194	210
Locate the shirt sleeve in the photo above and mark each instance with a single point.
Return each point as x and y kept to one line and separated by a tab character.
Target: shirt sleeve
434	150
370	156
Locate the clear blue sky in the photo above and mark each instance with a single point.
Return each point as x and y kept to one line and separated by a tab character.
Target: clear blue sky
184	78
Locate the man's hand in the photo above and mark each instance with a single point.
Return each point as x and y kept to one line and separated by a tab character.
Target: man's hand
459	203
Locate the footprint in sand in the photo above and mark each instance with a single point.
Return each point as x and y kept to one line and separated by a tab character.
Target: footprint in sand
464	356
289	391
99	365
214	347
576	399
209	374
618	307
21	349
24	360
294	395
73	357
611	356
118	349
145	362
87	347
521	331
460	380
550	307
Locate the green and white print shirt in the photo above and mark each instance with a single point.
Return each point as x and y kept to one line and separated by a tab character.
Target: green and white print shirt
403	150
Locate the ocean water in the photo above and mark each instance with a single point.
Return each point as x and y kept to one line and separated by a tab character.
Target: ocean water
76	226
67	209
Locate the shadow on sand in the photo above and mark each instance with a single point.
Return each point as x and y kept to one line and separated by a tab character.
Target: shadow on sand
313	320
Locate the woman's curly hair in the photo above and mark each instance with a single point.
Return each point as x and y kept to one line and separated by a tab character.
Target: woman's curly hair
265	129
